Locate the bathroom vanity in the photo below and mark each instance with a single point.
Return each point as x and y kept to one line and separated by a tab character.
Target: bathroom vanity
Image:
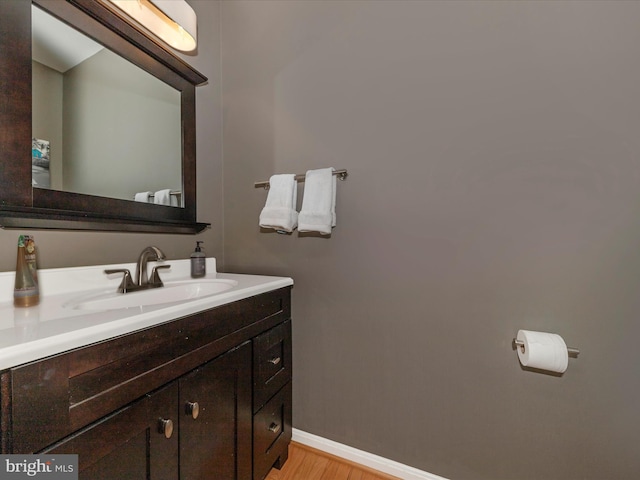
190	389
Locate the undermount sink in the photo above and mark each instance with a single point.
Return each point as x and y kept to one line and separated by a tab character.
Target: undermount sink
171	292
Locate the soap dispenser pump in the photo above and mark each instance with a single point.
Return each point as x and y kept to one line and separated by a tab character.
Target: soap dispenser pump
198	262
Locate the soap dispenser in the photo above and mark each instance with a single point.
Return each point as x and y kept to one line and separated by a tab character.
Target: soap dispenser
198	262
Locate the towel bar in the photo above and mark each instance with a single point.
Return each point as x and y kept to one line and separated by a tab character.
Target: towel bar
341	174
175	193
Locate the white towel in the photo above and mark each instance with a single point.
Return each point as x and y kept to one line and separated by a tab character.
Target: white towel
162	197
142	197
318	213
279	211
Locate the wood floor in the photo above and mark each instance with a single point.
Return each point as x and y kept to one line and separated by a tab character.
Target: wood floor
306	463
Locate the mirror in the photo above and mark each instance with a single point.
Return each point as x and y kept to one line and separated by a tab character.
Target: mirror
101	125
87	171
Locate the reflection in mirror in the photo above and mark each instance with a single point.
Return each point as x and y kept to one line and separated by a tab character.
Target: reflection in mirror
108	127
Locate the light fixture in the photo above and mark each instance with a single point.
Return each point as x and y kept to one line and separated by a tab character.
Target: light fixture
173	21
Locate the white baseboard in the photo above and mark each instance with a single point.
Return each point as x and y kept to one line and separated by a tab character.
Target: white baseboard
361	457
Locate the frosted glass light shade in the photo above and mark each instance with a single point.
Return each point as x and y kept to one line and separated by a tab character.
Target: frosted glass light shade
173	21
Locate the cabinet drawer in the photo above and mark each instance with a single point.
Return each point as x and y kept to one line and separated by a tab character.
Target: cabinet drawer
272	363
272	433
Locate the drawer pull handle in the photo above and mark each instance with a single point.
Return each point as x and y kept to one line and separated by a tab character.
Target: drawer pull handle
165	426
274	427
193	409
274	360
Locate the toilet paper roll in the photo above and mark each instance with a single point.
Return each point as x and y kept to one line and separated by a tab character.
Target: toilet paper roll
545	351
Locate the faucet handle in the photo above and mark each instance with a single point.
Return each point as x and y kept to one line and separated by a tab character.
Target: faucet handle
155	280
127	282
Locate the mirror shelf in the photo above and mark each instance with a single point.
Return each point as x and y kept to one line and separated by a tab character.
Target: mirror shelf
22	206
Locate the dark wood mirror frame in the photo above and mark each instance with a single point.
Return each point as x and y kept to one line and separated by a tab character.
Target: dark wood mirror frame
22	206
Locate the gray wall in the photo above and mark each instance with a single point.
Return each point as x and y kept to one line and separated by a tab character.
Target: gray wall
63	249
493	153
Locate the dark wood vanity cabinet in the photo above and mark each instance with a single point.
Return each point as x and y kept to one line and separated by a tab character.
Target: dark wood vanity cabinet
201	397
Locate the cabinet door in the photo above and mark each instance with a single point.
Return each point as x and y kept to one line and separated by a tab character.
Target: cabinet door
136	443
215	421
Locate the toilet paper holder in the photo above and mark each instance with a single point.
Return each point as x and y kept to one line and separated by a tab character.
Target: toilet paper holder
573	352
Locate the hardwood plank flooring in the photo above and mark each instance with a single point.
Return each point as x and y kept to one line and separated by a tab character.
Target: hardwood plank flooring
306	463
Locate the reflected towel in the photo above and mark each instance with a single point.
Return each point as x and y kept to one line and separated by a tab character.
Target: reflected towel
162	197
318	213
143	197
279	211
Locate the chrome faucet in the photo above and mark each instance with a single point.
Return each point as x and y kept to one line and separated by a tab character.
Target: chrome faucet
142	280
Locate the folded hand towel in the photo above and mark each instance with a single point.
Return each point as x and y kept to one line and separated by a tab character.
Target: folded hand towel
318	213
162	197
279	211
142	197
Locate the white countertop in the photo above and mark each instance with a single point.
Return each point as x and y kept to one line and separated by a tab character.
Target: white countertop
28	334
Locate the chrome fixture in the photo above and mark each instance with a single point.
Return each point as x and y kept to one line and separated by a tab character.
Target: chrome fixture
142	280
172	21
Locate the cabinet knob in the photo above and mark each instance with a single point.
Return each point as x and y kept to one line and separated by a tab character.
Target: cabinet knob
192	408
274	360
274	427
165	426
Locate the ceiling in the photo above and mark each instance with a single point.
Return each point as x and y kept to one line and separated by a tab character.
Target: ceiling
57	45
